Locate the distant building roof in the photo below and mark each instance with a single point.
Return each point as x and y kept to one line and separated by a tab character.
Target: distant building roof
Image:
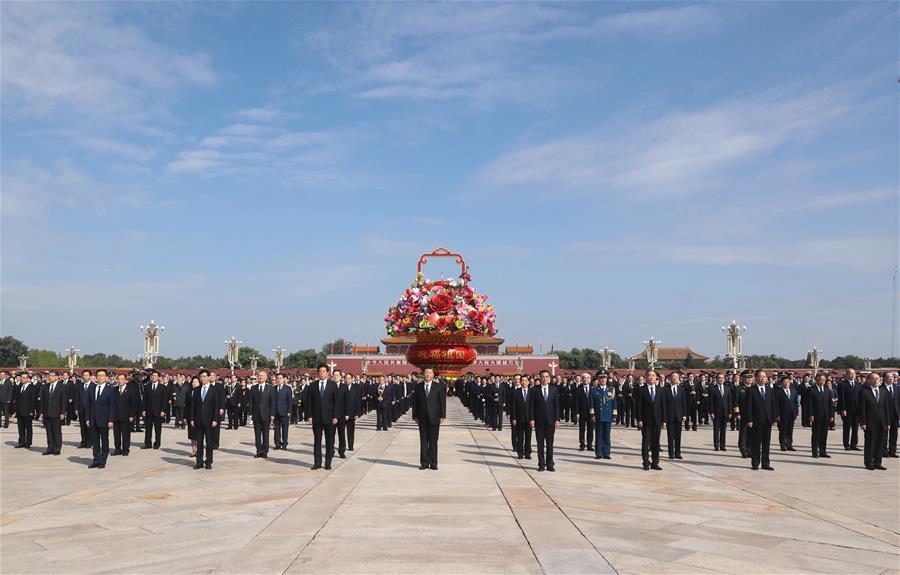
524	349
673	354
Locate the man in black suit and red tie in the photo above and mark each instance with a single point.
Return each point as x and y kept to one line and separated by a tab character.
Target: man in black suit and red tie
650	413
429	412
205	418
874	413
157	398
676	409
820	415
760	413
322	395
53	412
518	418
102	408
543	417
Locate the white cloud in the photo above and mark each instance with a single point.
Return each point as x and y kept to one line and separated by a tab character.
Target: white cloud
82	58
675	20
676	153
267	113
842	199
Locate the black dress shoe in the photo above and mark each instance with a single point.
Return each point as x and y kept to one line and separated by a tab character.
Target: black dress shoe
551	468
856	449
679	457
56	453
606	457
825	455
423	467
598	457
257	456
722	449
93	466
208	466
881	468
328	468
791	449
126	452
264	455
198	465
870	468
656	467
754	468
815	455
434	467
316	466
101	466
646	468
146	447
768	468
276	447
846	448
342	456
47	453
580	448
19	446
117	452
156	446
540	467
527	457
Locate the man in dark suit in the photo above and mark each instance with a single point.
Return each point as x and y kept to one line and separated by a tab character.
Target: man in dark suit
101	412
721	409
543	417
284	396
53	412
518	416
6	394
156	402
787	406
760	414
820	416
429	412
262	402
125	401
354	408
25	398
893	392
322	396
582	406
676	408
650	413
205	417
340	411
383	399
81	402
848	405
874	415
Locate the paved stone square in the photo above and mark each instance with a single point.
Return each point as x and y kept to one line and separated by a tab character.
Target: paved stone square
484	511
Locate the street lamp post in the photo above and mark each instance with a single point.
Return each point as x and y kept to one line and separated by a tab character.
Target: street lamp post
867	363
733	343
607	357
651	352
279	358
815	355
234	346
23	362
72	357
253	360
151	333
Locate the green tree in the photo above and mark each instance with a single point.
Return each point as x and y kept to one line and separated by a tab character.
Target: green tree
337	346
10	350
45	358
303	359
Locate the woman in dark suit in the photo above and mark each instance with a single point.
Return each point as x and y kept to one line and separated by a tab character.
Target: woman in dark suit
188	409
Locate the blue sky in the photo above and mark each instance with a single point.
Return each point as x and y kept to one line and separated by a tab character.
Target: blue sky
610	171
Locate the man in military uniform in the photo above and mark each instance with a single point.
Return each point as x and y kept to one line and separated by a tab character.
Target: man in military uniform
602	411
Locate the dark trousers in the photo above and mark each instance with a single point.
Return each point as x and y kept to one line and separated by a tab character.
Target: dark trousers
261	432
650	444
282	425
4	412
177	414
544	436
625	417
522	434
318	429
85	431
703	411
691	419
786	433
873	450
24	424
100	442
342	435
153	422
743	439
234	417
851	429
819	436
673	438
122	435
585	432
760	436
428	443
383	418
53	428
351	432
604	441
243	417
719	432
205	439
890	446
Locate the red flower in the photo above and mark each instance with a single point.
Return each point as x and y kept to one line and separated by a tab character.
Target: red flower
441	303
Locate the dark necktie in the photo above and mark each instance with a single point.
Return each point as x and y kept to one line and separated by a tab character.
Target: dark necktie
652	393
321	389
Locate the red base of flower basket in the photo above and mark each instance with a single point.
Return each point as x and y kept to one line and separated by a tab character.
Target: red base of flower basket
448	355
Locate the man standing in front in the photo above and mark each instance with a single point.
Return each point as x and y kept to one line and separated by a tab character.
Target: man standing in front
429	412
53	412
676	408
125	400
518	419
6	393
786	405
262	400
322	396
25	398
874	412
650	413
759	416
582	406
848	404
284	397
721	407
205	418
543	417
156	402
820	416
101	413
603	411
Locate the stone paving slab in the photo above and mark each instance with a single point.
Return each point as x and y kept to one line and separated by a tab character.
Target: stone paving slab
484	511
